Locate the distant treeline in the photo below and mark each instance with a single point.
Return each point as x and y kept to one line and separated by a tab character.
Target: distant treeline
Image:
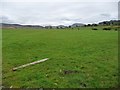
104	23
112	22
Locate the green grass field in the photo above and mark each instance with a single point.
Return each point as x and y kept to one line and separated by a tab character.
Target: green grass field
82	58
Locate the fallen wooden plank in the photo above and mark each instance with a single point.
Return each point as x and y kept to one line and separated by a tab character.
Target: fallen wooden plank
25	65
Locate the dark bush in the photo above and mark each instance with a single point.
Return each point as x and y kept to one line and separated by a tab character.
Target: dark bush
116	29
106	28
94	29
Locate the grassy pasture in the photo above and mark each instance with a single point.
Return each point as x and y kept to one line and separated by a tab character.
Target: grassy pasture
78	58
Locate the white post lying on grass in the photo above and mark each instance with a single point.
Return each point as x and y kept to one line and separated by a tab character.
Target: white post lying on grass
25	65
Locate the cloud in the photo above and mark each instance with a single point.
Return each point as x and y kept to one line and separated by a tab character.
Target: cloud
56	13
6	20
105	15
59	0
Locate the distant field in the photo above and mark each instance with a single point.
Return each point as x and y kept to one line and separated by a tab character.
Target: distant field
79	58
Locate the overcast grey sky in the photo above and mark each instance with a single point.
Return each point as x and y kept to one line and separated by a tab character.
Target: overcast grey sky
58	12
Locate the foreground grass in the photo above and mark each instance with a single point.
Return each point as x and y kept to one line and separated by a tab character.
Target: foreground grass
93	54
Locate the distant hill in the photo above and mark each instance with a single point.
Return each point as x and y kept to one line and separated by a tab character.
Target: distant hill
111	22
38	26
18	25
106	23
77	25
